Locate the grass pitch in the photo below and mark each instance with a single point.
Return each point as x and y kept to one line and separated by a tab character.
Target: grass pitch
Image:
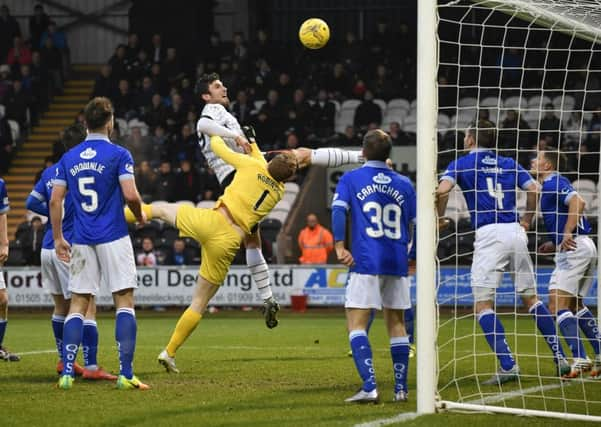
235	372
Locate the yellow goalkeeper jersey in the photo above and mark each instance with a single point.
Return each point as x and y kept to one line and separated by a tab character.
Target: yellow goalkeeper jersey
253	193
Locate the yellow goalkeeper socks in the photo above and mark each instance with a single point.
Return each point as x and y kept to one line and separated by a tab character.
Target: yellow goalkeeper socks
185	326
129	215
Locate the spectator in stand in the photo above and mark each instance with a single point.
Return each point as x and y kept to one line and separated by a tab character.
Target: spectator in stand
515	133
146	180
187	183
178	254
59	40
211	190
18	55
240	50
157	51
48	161
549	124
5	82
9	29
285	89
6	144
397	136
32	88
263	48
351	52
263	79
274	122
242	108
324	112
367	112
299	114
139	146
172	67
215	48
17	102
447	96
139	67
147	257
156	112
123	102
382	86
166	182
32	241
347	139
176	114
189	98
143	99
132	49
315	242
38	24
105	84
52	58
183	145
39	74
338	83
382	43
118	63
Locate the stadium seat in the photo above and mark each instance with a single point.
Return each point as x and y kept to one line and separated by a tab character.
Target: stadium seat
2	110
393	116
337	105
283	205
491	101
279	215
538	102
521	201
344	119
290	198
349	105
592	208
122	125
259	103
514	102
565	103
469	102
137	123
185	203
413	105
584	186
398	103
410	124
443	123
29	215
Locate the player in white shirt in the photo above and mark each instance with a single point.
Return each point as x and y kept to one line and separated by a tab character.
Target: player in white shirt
216	120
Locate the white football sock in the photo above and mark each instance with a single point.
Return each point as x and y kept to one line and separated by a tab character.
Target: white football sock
259	271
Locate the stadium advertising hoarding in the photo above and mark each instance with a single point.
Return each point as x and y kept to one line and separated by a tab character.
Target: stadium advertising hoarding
324	286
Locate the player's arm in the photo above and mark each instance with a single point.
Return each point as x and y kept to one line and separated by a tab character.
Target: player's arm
576	205
340	208
36	201
237	160
4	208
132	198
531	187
442	196
206	125
61	246
327	157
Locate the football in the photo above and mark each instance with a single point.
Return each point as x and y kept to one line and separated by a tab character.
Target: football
314	33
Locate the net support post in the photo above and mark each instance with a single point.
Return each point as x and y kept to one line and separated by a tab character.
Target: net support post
427	114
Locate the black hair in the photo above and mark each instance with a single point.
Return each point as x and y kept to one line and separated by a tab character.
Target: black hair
202	86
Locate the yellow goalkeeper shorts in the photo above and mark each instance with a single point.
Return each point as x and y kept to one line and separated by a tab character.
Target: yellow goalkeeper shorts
219	241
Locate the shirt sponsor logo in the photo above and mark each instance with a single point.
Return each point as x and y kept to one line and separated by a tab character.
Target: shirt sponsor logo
381	178
489	161
88	154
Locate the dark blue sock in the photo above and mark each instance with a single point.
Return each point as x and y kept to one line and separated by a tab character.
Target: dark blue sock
409	319
589	326
58	323
399	351
72	333
125	334
89	343
569	329
495	336
372	316
3	323
363	358
546	326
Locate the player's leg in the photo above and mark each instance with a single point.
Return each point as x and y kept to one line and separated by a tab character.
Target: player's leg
396	300
4	353
118	272
327	157
72	334
89	347
525	283
260	272
362	294
489	254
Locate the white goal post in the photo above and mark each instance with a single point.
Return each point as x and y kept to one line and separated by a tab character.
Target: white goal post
577	20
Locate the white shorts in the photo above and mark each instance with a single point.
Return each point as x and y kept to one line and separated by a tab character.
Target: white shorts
111	264
55	273
2	283
575	270
500	248
377	291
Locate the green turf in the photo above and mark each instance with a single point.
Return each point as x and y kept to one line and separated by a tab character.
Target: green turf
235	372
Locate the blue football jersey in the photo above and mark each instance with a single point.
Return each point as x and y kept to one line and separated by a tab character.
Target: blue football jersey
4	203
43	191
381	203
555	197
92	172
488	183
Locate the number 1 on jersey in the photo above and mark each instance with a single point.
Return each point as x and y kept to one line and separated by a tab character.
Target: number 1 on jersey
495	192
260	200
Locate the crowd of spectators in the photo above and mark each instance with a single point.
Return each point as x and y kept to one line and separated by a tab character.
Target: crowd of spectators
32	70
288	94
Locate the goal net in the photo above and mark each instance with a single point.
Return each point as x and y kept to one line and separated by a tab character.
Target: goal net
533	68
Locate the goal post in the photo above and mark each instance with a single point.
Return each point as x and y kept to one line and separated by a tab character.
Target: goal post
500	58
